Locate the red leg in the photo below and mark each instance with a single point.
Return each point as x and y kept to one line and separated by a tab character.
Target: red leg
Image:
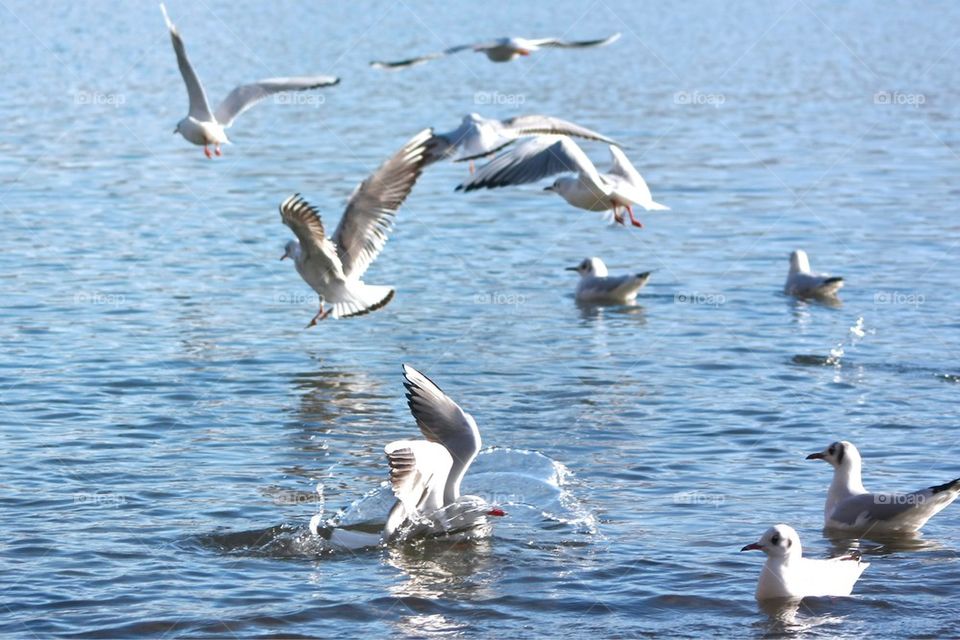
633	220
217	150
206	151
472	168
616	215
320	316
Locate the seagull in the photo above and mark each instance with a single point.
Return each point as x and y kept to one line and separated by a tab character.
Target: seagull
501	49
425	475
205	127
333	266
787	574
544	156
802	282
597	287
477	137
850	507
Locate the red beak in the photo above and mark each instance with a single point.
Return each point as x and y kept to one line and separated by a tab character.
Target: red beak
496	512
753	546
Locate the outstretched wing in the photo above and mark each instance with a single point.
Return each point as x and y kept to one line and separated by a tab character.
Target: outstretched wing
370	212
247	95
199	108
574	44
530	161
418	474
304	220
547	125
409	62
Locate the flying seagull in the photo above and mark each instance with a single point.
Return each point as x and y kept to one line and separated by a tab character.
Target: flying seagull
501	49
205	127
333	266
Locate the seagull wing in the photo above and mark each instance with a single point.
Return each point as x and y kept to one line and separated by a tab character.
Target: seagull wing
247	95
199	108
418	473
532	160
410	62
546	125
370	212
441	420
304	220
892	509
574	44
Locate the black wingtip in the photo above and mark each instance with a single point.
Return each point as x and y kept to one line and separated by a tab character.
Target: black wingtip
833	280
645	274
946	486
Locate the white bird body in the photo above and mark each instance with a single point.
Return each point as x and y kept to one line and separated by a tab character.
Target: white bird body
334	266
426	474
849	507
802	281
203	126
597	287
545	155
787	574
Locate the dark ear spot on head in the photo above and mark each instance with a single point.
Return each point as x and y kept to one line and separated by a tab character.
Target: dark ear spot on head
842	450
789	543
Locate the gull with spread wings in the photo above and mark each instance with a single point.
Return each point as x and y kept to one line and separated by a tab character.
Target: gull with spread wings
542	156
501	49
333	266
205	127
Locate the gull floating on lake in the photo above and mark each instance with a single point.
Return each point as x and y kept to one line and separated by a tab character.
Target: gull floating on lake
205	127
803	282
543	156
426	474
477	137
787	574
596	287
333	266
850	507
501	49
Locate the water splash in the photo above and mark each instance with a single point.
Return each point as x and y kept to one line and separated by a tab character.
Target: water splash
854	335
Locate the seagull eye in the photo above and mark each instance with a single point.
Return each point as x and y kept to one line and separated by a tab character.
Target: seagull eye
832	450
775	539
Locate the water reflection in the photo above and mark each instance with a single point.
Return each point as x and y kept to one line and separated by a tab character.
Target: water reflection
443	569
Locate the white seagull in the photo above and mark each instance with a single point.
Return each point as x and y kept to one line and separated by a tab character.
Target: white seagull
205	127
850	507
477	137
596	287
803	282
501	49
425	474
787	574
333	266
543	156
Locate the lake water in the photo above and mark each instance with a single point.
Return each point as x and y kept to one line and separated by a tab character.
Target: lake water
167	419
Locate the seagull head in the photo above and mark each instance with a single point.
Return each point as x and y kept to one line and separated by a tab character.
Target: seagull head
590	267
799	262
291	250
779	541
841	455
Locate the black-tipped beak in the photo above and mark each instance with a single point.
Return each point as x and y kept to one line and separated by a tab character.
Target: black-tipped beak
175	130
753	546
550	188
283	256
815	456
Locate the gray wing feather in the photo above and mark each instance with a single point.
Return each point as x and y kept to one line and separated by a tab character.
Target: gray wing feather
440	419
409	62
199	108
573	44
877	507
547	125
247	95
304	220
529	161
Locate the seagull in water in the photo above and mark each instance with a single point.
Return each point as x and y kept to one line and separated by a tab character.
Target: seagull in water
501	49
596	287
477	137
333	266
802	282
543	156
425	475
787	574
205	127
850	507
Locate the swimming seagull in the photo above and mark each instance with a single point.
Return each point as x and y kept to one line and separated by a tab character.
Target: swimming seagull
333	266
544	156
205	127
597	287
426	474
850	507
802	282
501	49
787	574
477	137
